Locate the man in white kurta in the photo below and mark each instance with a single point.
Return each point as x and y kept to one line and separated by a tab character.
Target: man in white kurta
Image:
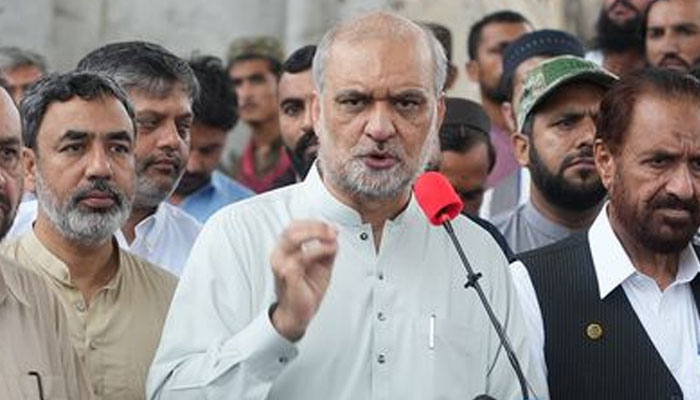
392	320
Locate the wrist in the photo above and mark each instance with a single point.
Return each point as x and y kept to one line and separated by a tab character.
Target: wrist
284	325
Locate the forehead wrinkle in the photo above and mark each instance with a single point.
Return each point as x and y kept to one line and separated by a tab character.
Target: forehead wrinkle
377	73
384	28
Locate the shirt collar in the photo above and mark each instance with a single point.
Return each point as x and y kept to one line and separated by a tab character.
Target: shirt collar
612	264
150	228
54	266
316	193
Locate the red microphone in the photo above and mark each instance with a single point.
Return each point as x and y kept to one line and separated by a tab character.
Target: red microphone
437	198
440	203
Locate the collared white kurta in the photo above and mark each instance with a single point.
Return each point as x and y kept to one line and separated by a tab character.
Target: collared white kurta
394	324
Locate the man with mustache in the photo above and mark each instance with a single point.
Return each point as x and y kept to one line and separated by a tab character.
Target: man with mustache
162	88
35	346
254	66
554	140
295	91
518	59
614	311
79	135
672	34
203	189
619	39
337	287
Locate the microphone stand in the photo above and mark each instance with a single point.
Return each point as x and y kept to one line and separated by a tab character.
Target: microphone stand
473	281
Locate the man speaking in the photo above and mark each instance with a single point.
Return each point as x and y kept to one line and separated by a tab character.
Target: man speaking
338	287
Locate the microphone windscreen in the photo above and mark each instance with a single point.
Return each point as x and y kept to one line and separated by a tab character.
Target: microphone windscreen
483	397
437	198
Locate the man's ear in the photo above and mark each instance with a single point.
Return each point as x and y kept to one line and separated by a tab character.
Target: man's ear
472	68
521	148
29	167
604	163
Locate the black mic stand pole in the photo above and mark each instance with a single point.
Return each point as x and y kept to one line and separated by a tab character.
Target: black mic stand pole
473	281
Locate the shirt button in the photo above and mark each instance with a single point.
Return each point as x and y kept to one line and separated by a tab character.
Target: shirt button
80	306
380	276
381	316
381	359
283	360
364	236
92	346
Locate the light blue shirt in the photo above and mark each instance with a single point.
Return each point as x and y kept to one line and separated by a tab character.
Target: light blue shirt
220	191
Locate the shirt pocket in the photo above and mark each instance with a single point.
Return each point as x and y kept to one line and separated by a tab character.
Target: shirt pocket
453	358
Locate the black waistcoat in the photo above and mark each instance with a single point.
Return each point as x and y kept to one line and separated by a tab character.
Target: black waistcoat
594	349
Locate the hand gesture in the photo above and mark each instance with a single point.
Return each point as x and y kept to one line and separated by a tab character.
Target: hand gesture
301	263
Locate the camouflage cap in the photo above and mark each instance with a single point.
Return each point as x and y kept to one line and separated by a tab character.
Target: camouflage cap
549	75
256	46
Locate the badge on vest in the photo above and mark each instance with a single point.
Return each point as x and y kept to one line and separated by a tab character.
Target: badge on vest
594	331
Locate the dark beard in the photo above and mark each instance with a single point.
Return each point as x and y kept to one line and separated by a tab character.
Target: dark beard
614	38
494	94
558	191
641	226
191	182
301	162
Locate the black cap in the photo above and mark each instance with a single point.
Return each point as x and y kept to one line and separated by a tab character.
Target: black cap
544	42
466	112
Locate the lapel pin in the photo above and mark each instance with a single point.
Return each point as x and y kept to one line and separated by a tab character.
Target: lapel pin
594	331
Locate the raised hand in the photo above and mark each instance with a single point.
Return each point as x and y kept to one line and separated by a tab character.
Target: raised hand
301	263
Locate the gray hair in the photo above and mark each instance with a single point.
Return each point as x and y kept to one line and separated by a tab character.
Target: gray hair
61	88
142	66
402	25
12	57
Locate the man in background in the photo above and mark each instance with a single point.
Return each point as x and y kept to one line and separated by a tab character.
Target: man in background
162	88
467	155
466	158
19	68
203	189
554	140
519	58
672	34
619	40
254	66
487	40
295	93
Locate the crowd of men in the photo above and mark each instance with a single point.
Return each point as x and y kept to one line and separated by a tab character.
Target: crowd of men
133	266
